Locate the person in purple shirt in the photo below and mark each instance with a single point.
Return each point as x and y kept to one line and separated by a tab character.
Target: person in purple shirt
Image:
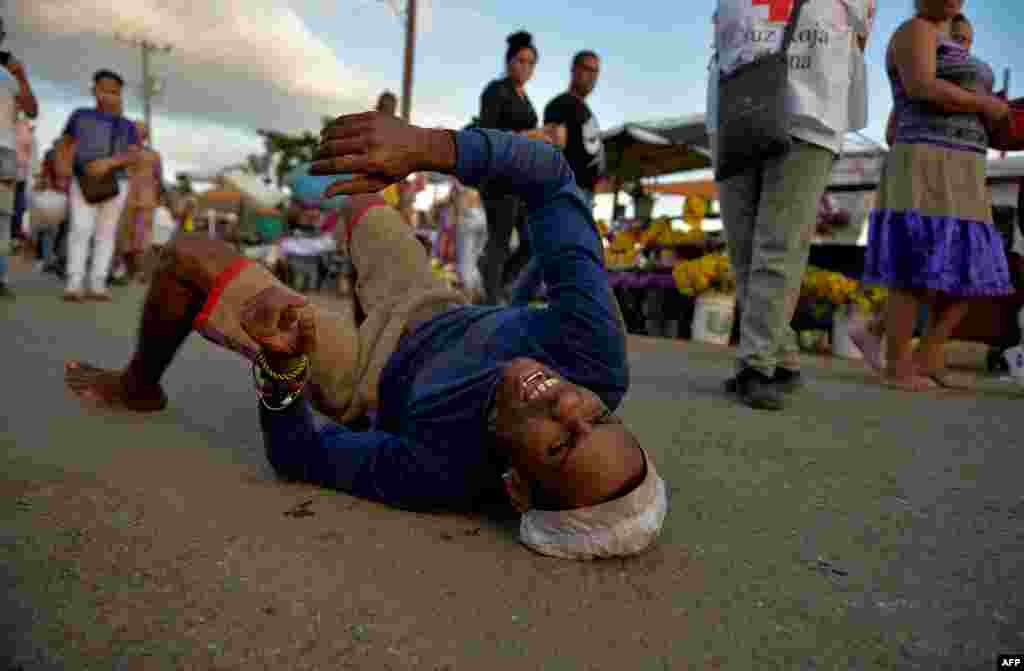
105	143
474	405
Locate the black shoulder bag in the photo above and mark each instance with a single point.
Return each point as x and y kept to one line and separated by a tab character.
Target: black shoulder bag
753	119
103	188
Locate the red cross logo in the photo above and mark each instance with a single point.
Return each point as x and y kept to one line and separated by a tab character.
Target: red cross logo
778	10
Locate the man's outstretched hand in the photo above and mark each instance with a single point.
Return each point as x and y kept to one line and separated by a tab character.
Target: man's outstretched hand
379	150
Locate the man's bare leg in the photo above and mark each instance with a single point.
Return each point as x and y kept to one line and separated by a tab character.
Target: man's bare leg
185	274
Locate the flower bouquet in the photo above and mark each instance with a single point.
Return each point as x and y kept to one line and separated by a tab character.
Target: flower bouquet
820	293
444	272
831	301
624	251
711	272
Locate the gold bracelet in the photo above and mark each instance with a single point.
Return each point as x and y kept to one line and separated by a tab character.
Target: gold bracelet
284	401
291	374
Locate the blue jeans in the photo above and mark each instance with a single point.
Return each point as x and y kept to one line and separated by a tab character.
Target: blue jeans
20	206
46	239
530	281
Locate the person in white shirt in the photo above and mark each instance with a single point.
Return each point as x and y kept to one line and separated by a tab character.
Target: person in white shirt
770	211
27	154
15	96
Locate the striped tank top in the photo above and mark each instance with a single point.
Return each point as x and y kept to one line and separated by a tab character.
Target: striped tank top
919	122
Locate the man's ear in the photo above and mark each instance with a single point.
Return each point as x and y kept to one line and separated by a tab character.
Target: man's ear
517	490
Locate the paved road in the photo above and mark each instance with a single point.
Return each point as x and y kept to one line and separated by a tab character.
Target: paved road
861	529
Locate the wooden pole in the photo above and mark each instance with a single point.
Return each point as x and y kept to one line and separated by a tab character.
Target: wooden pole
410	44
147	89
615	199
1006	91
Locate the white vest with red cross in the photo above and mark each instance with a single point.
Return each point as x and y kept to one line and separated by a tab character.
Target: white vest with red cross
827	84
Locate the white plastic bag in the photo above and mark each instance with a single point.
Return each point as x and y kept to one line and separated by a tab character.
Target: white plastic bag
47	209
164	226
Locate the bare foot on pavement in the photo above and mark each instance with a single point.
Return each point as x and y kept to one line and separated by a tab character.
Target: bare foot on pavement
111	389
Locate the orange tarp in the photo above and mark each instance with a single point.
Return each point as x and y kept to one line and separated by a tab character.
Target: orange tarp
221	196
705	187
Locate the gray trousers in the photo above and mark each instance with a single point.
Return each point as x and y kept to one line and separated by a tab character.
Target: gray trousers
769	214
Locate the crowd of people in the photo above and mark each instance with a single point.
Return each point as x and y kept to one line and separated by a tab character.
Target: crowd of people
442	399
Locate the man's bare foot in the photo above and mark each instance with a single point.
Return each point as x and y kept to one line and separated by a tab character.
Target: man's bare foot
112	388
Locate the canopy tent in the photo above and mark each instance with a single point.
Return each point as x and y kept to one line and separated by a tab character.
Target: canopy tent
653	148
682	144
221	200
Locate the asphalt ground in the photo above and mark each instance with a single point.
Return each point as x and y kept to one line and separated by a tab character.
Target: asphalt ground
861	528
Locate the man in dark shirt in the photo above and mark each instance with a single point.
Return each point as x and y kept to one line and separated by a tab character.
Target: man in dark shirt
470	400
584	148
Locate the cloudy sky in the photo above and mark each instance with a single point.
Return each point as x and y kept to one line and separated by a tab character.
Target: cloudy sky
239	65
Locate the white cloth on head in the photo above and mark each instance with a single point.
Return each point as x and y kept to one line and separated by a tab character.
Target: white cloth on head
623	527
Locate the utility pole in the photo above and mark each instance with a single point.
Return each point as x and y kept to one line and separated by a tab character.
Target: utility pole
1006	92
410	45
151	86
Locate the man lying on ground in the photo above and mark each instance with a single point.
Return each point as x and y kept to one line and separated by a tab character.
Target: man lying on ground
469	400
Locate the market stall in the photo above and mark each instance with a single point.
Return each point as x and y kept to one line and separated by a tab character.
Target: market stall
672	287
643	249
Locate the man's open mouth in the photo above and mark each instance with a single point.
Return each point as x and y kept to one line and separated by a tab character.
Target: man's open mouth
536	383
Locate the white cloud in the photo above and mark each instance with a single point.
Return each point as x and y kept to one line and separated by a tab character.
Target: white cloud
236	66
249	61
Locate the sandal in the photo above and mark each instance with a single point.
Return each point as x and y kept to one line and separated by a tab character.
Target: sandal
72	296
100	296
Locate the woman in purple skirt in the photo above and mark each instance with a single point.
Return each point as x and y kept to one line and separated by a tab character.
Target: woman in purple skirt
931	236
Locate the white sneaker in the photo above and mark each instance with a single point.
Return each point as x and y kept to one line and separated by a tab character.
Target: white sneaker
1015	359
